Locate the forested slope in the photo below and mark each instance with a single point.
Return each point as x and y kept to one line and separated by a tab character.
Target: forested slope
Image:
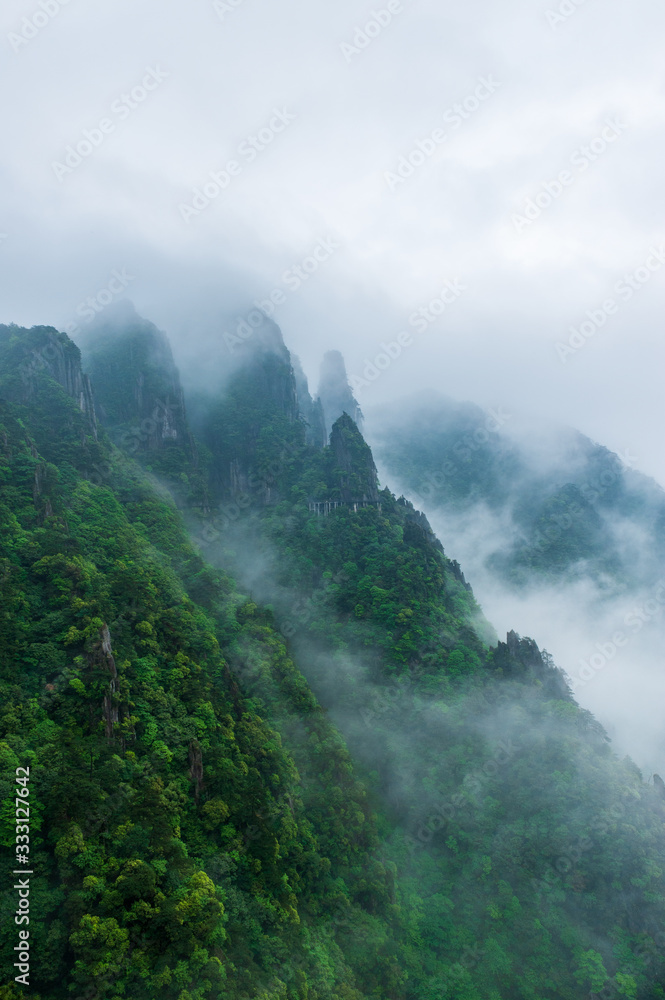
204	830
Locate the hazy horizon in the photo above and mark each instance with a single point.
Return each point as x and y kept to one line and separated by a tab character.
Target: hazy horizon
501	111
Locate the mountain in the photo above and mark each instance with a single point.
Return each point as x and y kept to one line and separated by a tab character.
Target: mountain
559	536
310	410
335	393
276	751
572	508
188	837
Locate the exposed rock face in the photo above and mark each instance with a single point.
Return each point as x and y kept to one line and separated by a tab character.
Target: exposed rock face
459	575
266	369
335	392
39	484
195	757
418	532
254	422
264	339
277	381
137	386
310	411
354	467
43	350
100	657
519	657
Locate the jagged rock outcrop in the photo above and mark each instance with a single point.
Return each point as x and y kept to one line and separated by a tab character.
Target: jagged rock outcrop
354	470
41	503
520	657
310	410
195	758
335	392
100	657
265	368
418	528
459	575
252	424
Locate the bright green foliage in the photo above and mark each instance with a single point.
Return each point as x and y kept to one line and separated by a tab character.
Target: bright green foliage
512	826
201	828
180	850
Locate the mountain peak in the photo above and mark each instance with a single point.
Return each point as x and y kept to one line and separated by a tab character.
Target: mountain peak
354	462
27	356
136	383
257	335
335	392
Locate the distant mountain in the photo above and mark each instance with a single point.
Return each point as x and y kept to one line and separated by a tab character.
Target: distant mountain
335	392
569	508
138	395
276	750
560	538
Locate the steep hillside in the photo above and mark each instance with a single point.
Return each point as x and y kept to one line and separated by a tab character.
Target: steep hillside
190	838
205	832
560	537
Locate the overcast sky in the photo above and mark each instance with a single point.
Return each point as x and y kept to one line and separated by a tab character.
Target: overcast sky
172	91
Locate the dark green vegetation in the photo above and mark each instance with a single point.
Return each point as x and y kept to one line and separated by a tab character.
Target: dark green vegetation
575	510
450	824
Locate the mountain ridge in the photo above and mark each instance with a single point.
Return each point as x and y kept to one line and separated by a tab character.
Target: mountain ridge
434	855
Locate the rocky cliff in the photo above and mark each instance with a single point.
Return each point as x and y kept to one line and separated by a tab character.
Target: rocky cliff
335	393
29	356
310	410
354	465
138	395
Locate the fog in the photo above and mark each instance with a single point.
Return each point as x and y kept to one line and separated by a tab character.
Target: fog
606	631
625	685
521	96
366	165
403	736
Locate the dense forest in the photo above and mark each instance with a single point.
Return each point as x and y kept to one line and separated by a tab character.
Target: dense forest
276	751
